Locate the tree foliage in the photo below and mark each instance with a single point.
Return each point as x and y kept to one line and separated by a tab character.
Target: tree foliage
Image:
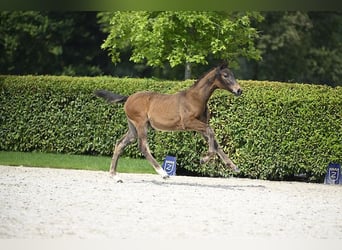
33	42
181	37
295	46
300	46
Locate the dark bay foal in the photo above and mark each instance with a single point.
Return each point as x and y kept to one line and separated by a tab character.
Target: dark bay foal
185	110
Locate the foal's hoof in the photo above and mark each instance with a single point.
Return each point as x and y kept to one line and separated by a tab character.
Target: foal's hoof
204	160
116	178
207	158
165	177
236	170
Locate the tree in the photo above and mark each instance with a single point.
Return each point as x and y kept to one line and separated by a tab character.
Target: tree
33	42
325	54
181	37
300	47
282	39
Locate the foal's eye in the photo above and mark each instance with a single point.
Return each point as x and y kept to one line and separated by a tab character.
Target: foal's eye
225	75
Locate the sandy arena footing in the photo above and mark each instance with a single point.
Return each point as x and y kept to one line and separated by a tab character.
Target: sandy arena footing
44	203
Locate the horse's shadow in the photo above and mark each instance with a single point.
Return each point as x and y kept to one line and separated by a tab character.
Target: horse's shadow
201	185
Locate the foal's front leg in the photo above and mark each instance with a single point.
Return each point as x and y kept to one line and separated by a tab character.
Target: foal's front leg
227	161
214	148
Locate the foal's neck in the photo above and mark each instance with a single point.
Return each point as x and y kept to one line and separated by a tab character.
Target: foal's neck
204	87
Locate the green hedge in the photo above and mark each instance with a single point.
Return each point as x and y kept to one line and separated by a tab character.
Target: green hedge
273	131
61	114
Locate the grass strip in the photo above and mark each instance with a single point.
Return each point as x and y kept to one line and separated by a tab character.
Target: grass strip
66	161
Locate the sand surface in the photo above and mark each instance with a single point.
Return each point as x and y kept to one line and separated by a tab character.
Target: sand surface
43	203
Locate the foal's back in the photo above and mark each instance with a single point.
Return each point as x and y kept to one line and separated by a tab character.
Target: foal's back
161	111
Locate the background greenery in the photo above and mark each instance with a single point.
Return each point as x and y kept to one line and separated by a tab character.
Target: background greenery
295	46
273	131
183	38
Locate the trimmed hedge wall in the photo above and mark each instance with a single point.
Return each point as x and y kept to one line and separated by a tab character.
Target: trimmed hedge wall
273	131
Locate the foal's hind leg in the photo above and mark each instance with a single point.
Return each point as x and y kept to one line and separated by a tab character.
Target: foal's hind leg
145	150
119	147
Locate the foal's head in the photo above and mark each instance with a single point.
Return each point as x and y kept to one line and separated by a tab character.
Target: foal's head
225	80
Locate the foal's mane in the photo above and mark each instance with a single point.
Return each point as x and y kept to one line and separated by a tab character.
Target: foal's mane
203	75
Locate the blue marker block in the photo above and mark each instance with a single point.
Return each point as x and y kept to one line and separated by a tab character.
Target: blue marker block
333	175
169	165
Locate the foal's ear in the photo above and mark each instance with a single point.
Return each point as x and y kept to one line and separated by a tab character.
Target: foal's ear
224	65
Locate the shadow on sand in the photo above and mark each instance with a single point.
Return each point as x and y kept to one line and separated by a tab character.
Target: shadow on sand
201	185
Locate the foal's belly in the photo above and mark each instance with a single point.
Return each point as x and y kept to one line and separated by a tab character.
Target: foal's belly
167	124
165	116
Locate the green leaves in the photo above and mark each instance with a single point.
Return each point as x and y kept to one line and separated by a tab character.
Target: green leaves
180	37
301	47
61	43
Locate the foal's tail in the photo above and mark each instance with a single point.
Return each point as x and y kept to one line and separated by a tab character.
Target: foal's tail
111	97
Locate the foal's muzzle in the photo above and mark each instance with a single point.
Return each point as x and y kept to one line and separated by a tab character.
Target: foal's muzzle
238	92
